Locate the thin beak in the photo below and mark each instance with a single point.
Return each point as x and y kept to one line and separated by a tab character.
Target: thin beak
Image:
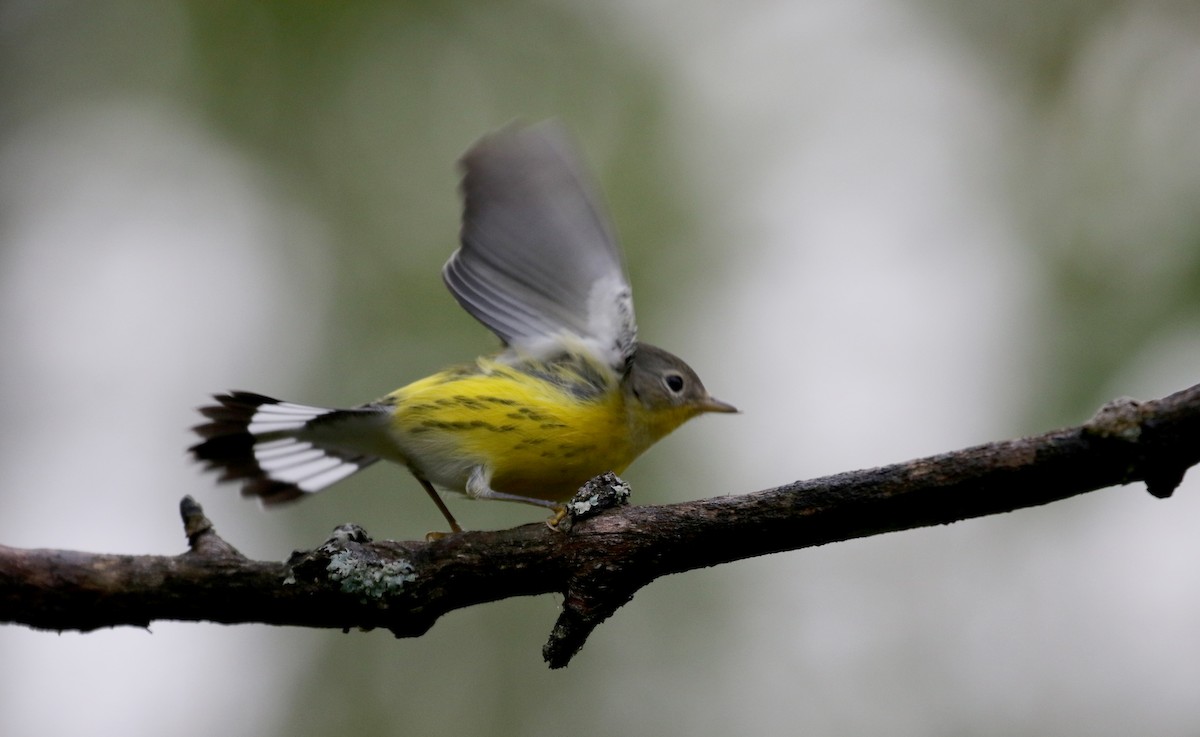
712	404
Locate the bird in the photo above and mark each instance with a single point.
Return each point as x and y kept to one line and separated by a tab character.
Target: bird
571	393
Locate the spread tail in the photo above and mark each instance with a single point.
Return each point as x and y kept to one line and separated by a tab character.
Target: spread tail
280	451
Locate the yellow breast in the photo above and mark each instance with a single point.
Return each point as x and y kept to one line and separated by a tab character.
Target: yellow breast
542	429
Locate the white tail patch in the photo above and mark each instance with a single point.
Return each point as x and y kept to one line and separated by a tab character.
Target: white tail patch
280	450
293	461
283	416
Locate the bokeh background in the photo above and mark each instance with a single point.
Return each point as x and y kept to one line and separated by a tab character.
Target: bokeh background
883	228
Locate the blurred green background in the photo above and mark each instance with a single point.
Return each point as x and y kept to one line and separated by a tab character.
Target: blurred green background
883	228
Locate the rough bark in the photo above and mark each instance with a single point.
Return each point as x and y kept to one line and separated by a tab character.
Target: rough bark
604	552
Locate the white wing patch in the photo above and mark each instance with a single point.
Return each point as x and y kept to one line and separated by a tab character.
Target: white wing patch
610	335
611	325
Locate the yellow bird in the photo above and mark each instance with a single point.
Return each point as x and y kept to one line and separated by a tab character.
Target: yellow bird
572	395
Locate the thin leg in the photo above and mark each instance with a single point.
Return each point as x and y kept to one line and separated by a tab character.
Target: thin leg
479	487
441	505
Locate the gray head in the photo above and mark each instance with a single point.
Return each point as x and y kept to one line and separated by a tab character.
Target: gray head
667	389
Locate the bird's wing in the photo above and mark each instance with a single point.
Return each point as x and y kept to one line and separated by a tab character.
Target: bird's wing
538	264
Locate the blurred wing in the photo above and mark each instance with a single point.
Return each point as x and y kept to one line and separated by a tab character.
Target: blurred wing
538	264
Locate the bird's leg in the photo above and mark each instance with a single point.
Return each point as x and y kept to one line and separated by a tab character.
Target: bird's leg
441	505
479	487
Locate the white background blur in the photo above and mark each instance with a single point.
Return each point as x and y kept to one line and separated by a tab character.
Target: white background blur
882	228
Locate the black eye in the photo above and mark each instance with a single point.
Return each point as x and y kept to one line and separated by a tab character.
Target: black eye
674	382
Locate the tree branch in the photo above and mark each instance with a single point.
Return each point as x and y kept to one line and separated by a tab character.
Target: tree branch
607	550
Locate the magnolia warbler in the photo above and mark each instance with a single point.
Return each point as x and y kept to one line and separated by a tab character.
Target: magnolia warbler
571	395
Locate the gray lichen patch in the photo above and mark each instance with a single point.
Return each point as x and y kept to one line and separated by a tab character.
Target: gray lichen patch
1119	419
606	491
370	580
